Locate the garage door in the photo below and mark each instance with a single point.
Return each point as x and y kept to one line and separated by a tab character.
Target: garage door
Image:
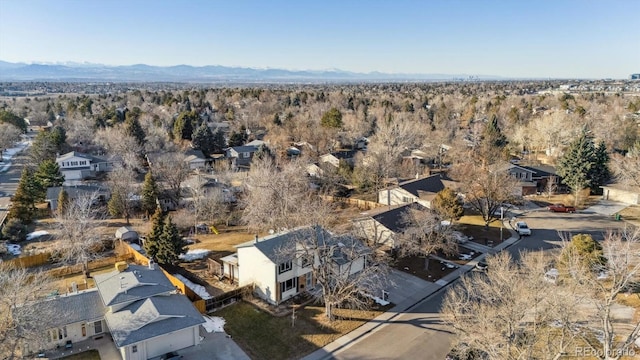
170	342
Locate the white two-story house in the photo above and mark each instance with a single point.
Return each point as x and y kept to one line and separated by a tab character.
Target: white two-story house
76	166
280	268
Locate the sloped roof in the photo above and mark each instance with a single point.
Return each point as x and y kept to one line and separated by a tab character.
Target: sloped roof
393	219
134	283
193	154
72	308
148	318
541	170
125	233
72	154
271	246
431	184
245	148
74	191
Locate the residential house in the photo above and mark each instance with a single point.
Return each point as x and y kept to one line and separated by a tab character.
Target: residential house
137	305
241	156
334	157
422	191
196	160
277	273
382	225
76	166
526	185
78	316
98	193
543	175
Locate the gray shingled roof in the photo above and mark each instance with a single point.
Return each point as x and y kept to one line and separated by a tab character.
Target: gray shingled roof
72	154
75	191
148	318
431	184
393	219
134	283
272	245
72	308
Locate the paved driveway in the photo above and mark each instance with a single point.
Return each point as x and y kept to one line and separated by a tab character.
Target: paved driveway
214	346
404	286
606	207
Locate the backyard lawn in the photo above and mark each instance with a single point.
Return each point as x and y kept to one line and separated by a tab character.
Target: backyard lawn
263	336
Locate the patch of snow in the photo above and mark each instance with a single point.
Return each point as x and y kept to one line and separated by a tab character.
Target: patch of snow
194	254
198	289
213	324
14	249
36	234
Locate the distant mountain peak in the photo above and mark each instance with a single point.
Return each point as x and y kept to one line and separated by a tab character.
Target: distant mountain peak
85	71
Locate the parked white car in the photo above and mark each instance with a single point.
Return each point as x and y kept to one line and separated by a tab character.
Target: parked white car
522	228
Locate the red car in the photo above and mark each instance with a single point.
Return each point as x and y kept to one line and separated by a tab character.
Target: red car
561	208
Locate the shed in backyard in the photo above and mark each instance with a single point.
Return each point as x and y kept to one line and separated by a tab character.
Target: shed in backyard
126	233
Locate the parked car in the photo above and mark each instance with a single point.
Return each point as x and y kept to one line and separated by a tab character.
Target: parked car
561	208
522	228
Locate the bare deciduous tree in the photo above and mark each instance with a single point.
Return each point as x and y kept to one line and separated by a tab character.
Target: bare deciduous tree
504	313
485	190
341	266
171	170
277	198
423	234
9	135
22	322
627	168
79	241
118	143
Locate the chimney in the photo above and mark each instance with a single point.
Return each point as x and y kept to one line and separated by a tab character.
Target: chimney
152	265
256	239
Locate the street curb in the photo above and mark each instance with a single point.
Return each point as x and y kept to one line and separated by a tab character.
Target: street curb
345	341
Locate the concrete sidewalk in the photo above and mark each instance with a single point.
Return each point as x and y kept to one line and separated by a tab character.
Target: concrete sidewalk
403	305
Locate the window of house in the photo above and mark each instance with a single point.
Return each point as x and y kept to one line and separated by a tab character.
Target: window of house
406	199
289	284
284	267
53	335
246	155
98	326
134	348
306	261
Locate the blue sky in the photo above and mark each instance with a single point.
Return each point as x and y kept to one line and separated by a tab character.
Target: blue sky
514	38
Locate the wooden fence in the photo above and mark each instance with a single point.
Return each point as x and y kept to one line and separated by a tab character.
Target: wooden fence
124	248
359	203
29	260
227	298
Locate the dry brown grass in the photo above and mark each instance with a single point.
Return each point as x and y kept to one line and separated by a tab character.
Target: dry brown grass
631	214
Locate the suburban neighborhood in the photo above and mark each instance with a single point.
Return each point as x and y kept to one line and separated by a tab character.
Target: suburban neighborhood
319	180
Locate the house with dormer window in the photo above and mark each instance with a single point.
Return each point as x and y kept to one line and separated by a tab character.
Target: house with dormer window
76	166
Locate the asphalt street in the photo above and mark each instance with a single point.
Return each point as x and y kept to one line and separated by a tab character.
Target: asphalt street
421	334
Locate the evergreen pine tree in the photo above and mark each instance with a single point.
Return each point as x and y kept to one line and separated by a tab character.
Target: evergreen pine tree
171	244
219	142
183	126
493	134
576	165
23	205
152	244
47	175
115	203
600	171
149	194
133	128
446	204
203	139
